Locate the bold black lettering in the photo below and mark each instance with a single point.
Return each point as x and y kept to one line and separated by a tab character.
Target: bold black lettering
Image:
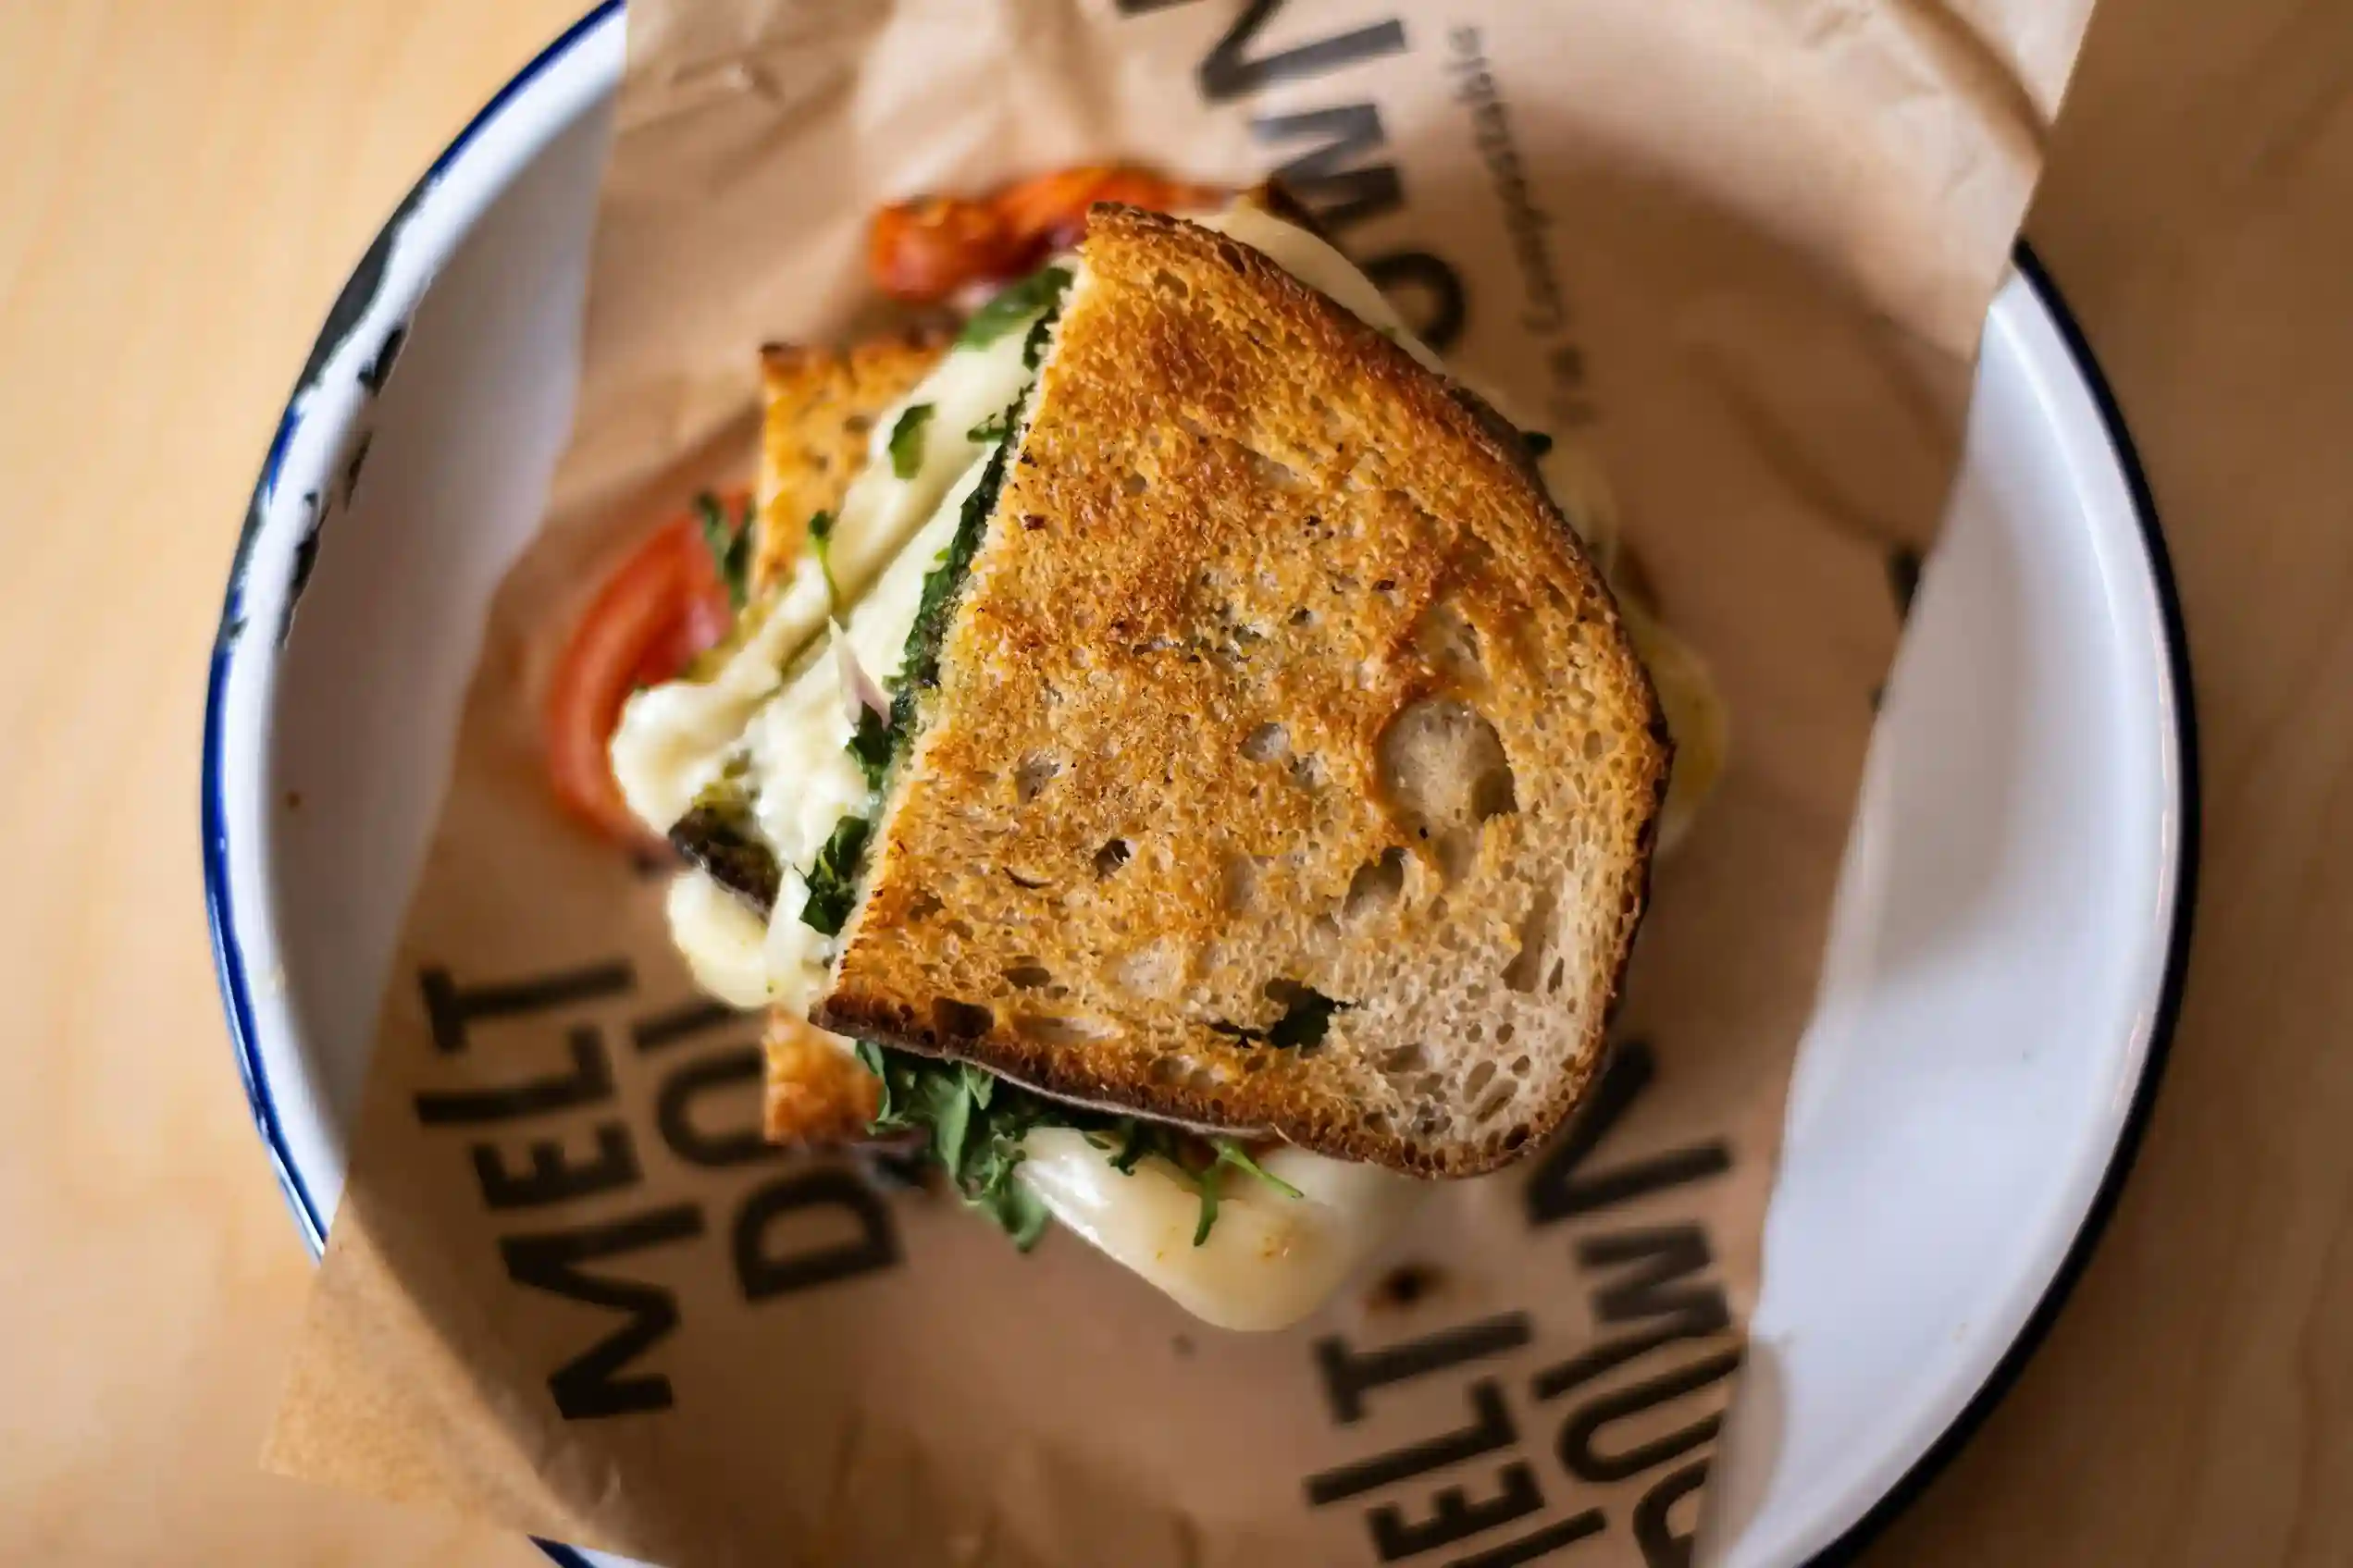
684	1022
764	1269
586	1387
1544	1543
1427	291
674	1111
1609	1354
1338	194
1228	73
589	1082
553	1179
1455	1517
450	1008
1349	1376
1662	1547
1489	1430
1578	1434
1560	1191
1666	1253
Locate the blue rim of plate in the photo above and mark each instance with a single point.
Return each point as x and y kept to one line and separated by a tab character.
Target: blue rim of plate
350	304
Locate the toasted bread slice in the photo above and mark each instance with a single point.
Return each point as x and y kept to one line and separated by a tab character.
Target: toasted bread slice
1288	767
819	410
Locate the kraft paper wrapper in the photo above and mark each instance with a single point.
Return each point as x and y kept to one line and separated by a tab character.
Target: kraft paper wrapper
1745	246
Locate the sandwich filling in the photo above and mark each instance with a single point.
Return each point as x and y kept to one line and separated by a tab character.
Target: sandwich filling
768	776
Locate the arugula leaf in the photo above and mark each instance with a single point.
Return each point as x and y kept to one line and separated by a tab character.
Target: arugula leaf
833	880
820	544
995	427
975	1125
1034	346
919	665
1207	1181
1013	304
729	543
906	441
873	743
1536	442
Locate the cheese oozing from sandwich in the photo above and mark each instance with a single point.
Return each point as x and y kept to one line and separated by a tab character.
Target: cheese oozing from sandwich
776	711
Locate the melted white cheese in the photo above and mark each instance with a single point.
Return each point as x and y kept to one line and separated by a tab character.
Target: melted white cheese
1271	1259
721	938
672	739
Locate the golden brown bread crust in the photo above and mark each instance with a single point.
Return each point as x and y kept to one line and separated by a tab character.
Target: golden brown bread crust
818	409
817	1094
1277	674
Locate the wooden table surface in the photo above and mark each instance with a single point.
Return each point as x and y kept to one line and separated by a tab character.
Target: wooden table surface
189	181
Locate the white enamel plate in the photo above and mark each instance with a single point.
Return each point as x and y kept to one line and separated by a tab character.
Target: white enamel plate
2005	951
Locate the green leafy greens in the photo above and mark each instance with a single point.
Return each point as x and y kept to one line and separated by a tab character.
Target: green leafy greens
1014	304
833	880
873	743
906	441
729	543
975	1121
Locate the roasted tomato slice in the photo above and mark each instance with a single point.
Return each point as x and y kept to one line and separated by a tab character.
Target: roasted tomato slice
662	607
923	251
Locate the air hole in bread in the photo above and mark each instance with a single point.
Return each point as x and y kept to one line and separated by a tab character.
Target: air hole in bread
1037	770
1504	1033
1028	976
1303	616
1535	941
1168	283
1405	1058
1458	852
1238	886
1480	1076
858	423
1377	884
1520	1065
1057	1028
923	908
1476	1033
1443	768
1025	879
1595	744
1447	640
1135	484
1560	972
1268	742
952	1020
1307	770
1112	857
1323	935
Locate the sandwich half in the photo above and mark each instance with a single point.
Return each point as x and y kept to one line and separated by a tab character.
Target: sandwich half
1275	760
1181	756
